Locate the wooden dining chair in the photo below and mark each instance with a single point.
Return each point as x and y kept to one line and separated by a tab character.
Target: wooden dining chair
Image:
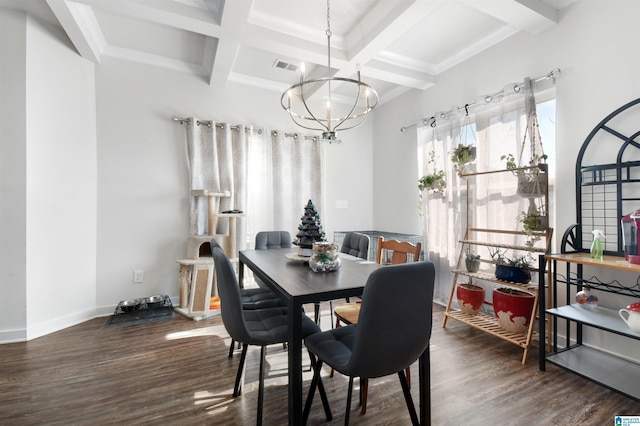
389	252
393	331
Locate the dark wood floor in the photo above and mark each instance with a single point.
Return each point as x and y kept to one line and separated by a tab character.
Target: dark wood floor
177	372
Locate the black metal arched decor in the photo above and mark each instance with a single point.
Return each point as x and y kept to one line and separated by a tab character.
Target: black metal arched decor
608	178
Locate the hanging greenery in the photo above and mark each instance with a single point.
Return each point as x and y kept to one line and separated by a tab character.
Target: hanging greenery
433	181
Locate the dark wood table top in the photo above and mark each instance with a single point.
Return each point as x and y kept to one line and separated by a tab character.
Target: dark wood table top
294	279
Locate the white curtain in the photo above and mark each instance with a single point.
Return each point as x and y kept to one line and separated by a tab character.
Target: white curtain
217	158
285	172
500	123
442	214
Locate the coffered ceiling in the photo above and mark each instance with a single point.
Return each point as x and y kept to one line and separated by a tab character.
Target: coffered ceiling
399	44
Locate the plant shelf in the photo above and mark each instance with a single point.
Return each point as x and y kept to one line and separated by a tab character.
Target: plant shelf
483	321
490	325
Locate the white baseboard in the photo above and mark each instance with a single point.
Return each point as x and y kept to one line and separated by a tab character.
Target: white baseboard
57	324
13	336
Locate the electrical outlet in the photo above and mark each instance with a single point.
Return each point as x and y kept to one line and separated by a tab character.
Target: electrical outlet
138	275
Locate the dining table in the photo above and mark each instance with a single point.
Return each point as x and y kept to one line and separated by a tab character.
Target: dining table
290	277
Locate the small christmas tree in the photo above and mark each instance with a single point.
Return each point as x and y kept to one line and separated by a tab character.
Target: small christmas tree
309	230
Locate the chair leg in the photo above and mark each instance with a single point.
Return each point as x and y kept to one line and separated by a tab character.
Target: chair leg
364	392
232	348
321	391
325	400
316	312
261	387
316	381
237	388
408	399
407	372
337	325
331	312
349	393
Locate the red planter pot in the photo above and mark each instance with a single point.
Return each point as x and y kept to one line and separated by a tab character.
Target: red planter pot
513	308
470	298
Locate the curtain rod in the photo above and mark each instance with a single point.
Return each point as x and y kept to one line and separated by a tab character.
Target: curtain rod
208	123
296	136
516	88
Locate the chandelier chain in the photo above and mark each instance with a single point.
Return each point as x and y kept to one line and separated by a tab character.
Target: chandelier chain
328	20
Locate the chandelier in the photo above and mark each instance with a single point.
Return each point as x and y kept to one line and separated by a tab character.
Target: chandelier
329	112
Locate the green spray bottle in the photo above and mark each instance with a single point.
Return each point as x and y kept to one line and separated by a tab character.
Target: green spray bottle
596	246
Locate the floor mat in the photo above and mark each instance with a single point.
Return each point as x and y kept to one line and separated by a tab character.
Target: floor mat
140	316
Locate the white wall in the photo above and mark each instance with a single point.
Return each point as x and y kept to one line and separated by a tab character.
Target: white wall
142	170
595	45
48	158
61	183
13	227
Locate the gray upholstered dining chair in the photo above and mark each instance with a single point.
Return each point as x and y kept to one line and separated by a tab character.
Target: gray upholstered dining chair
252	298
355	244
397	252
273	239
392	332
259	327
280	239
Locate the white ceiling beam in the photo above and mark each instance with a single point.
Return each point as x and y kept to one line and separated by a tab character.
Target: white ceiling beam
532	16
80	24
234	18
166	12
153	60
397	75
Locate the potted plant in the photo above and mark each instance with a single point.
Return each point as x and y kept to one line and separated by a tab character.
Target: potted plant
433	181
534	222
531	182
470	298
513	308
461	156
516	269
472	261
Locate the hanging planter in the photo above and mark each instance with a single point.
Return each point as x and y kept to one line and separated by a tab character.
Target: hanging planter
531	184
465	153
461	156
531	180
513	308
433	182
534	221
470	298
